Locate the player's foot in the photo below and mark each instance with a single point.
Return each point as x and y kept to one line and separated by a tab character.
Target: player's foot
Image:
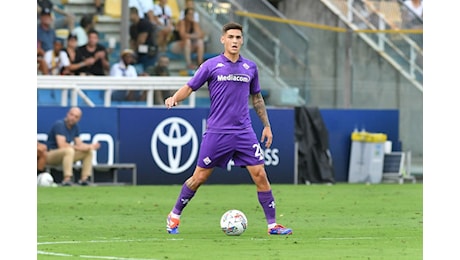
172	225
280	230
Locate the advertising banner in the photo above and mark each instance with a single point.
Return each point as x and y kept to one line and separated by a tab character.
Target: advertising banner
165	145
96	125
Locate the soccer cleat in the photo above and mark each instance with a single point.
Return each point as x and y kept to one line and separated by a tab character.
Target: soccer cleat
172	225
280	230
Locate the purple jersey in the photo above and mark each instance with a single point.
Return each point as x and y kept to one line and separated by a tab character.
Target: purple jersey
230	85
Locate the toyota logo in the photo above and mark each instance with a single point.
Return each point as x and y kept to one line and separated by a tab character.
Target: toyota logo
174	133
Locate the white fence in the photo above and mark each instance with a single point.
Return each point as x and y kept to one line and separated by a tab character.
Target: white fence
76	86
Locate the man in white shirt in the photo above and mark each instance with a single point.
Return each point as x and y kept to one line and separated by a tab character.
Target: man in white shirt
124	68
56	58
163	13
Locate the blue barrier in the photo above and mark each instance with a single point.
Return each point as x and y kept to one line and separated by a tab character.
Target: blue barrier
131	135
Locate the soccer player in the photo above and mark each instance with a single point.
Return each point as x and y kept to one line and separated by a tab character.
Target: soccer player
229	135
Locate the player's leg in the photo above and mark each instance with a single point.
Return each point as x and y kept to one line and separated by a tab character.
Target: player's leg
187	192
210	156
250	154
266	199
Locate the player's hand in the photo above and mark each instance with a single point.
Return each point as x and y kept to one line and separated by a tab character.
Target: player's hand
267	136
170	102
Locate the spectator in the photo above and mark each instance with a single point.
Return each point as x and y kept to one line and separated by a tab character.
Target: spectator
142	39
98	5
56	59
71	50
41	64
162	11
144	9
189	4
66	147
91	58
413	14
42	151
81	31
124	68
67	21
189	39
161	69
45	32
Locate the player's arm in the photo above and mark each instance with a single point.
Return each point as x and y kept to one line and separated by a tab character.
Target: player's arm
181	94
259	106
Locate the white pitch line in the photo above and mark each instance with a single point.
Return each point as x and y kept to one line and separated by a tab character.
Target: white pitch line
40	252
347	238
361	238
92	256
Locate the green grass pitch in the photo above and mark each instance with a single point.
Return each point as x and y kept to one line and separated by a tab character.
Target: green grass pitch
342	221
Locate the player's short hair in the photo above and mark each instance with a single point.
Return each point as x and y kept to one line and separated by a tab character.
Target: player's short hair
232	26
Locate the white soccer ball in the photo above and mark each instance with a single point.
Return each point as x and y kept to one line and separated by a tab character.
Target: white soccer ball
45	179
233	222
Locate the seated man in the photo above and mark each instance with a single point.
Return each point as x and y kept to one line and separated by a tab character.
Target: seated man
66	147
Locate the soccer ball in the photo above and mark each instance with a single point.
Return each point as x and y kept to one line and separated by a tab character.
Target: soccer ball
45	179
233	222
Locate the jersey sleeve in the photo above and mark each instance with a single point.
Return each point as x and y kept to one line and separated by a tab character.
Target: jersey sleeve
200	77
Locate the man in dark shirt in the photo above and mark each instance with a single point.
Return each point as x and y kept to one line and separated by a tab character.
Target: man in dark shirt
92	58
66	147
142	39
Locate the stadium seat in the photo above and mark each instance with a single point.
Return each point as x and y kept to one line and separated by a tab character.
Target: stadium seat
48	97
62	33
113	8
97	96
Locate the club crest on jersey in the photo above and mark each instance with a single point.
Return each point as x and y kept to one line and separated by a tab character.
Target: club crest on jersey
246	66
234	77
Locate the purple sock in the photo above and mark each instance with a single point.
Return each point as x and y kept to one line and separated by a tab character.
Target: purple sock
267	202
186	194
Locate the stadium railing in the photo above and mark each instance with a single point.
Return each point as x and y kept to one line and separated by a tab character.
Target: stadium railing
73	88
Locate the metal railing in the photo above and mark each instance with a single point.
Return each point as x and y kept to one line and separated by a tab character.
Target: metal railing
282	63
380	23
75	87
